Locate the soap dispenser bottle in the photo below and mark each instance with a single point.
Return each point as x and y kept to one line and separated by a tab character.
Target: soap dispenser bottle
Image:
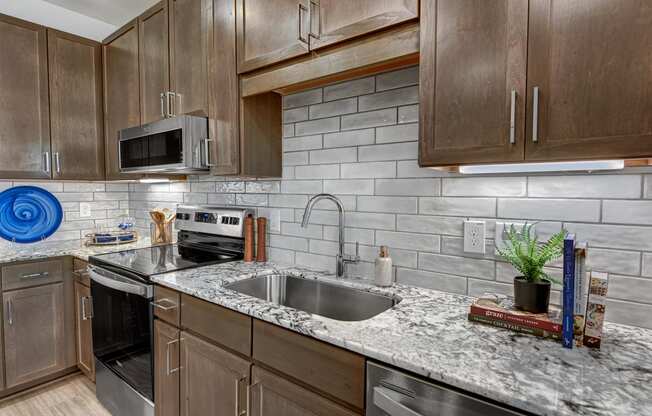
383	275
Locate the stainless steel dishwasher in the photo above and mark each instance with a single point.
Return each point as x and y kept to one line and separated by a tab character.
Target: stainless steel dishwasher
392	393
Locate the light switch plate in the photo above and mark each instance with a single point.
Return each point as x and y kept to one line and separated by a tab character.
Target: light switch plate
474	235
84	210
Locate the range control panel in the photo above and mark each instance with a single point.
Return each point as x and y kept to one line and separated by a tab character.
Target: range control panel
226	221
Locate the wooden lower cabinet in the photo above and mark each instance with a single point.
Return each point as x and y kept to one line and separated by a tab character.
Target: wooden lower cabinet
198	373
166	369
34	336
213	381
272	395
84	330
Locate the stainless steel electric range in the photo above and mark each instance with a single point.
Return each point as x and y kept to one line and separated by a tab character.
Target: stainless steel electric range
122	295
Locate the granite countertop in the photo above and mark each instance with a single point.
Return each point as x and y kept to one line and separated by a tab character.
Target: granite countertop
428	333
23	252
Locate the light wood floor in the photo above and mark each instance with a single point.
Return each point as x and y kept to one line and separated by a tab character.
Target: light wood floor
73	396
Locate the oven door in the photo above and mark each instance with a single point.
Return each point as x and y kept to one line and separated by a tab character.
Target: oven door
122	328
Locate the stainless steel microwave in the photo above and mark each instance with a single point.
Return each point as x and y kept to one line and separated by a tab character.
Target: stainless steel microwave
176	145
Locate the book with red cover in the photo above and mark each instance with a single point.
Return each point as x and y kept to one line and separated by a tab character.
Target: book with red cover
501	308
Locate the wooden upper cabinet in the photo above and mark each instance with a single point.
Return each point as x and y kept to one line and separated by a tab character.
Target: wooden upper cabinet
34	336
24	111
121	92
223	91
591	62
75	71
271	31
190	37
154	62
472	81
333	21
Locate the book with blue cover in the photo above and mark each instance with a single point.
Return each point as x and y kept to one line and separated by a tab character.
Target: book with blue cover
568	294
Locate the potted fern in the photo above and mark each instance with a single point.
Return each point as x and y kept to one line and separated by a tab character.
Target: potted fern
524	251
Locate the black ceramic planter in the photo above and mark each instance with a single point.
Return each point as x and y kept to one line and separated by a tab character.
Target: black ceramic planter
531	296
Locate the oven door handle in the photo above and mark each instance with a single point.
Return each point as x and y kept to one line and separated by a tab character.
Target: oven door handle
118	282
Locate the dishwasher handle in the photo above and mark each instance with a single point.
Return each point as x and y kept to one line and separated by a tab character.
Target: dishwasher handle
386	400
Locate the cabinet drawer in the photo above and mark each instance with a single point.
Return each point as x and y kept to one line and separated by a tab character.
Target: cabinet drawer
224	326
166	305
273	395
24	275
332	370
80	272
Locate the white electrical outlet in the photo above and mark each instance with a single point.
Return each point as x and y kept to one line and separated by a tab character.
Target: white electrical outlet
474	235
84	210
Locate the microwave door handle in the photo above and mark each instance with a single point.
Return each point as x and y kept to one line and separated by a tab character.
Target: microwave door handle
383	400
122	286
207	153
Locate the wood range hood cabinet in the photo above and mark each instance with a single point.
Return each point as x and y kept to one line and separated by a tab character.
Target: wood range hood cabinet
537	81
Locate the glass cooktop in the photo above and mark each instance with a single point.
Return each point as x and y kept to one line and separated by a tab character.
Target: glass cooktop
145	262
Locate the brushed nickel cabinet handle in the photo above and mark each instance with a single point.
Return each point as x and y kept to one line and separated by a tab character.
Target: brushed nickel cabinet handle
46	161
171	110
237	397
57	162
10	312
512	118
34	275
169	371
84	310
82	306
535	114
163	114
302	9
160	304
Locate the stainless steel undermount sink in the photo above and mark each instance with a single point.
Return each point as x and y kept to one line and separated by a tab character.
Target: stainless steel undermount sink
320	298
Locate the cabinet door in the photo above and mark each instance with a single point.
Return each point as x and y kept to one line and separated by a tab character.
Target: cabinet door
590	61
271	31
213	381
272	395
121	87
333	21
166	369
33	333
84	330
190	37
75	71
224	91
472	81
24	108
154	62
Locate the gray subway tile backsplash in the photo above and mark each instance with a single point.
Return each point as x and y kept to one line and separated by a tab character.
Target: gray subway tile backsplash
369	159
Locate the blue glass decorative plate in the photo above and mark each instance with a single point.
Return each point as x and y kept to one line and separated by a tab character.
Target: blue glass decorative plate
28	214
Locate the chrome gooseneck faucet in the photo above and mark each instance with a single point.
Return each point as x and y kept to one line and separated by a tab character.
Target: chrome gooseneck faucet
342	259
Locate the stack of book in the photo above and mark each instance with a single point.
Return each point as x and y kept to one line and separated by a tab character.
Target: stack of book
499	311
579	321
